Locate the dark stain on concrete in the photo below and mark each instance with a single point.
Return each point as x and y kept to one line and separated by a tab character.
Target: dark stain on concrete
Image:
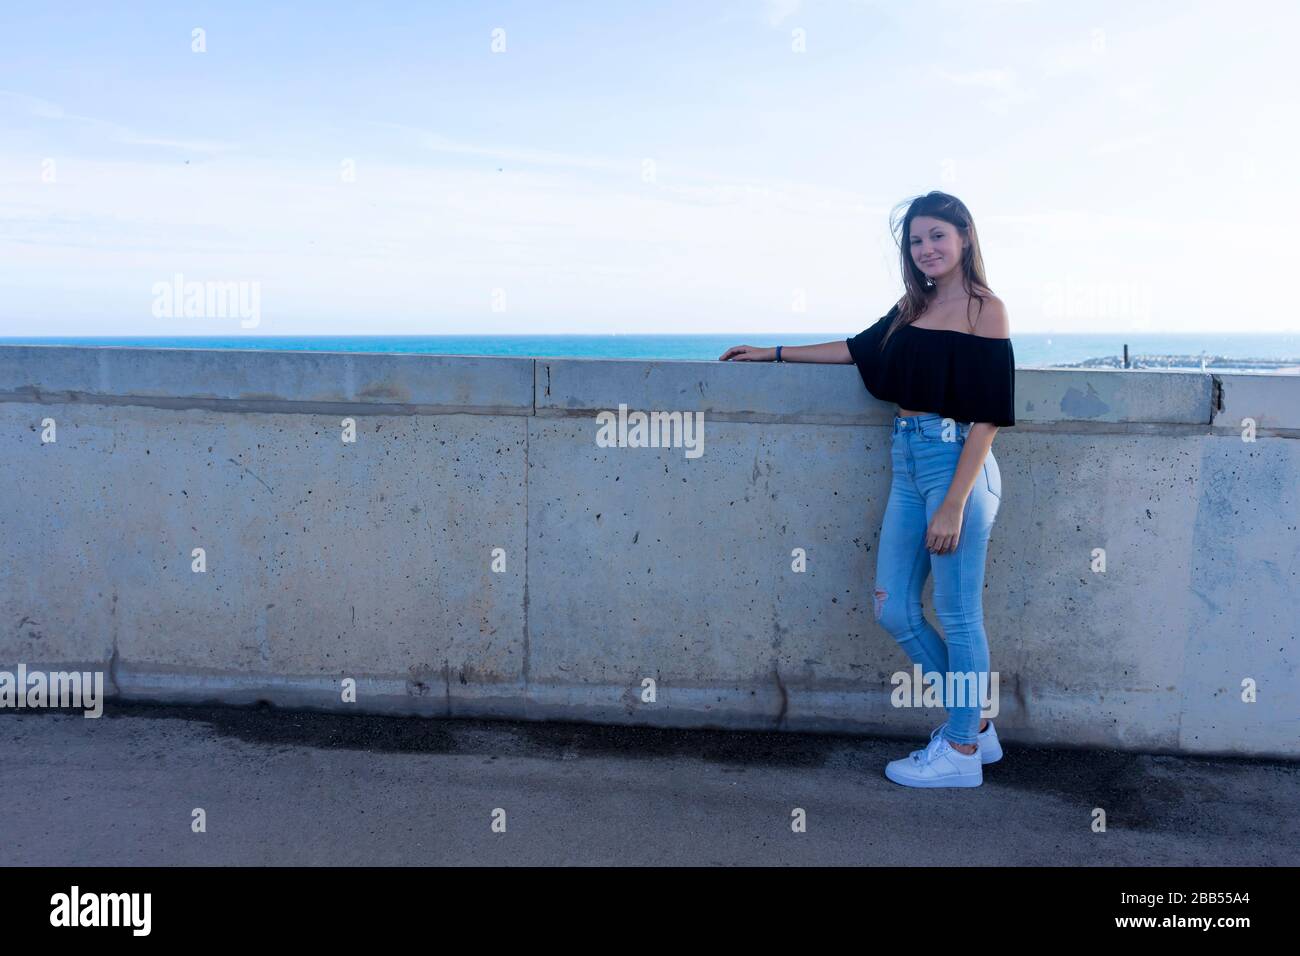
1077	404
548	740
1183	794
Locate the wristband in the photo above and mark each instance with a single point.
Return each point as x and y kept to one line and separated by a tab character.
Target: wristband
778	353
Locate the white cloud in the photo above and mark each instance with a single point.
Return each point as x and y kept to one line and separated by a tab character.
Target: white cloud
32	105
43	109
411	249
1126	145
1002	80
776	12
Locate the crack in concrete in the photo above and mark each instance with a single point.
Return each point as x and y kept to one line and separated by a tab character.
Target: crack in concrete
245	468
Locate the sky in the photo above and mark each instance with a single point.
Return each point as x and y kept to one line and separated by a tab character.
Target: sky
637	167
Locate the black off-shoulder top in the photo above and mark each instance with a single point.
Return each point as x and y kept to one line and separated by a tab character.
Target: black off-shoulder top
962	376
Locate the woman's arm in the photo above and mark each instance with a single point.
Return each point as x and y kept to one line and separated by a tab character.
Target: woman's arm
828	353
945	527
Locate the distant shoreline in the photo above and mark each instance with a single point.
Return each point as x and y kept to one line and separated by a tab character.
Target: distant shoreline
1208	363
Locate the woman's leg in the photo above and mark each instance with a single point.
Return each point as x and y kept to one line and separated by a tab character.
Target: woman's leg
959	603
902	565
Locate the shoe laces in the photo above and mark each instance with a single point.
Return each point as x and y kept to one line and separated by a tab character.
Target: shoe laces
934	748
916	754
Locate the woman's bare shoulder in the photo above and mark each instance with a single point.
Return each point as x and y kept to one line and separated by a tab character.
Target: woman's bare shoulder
993	322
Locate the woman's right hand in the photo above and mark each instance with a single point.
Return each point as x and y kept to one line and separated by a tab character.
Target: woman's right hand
748	353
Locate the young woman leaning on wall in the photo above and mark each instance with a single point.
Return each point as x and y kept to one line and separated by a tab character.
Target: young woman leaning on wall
943	355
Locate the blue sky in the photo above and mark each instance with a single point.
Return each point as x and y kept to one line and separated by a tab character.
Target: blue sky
637	167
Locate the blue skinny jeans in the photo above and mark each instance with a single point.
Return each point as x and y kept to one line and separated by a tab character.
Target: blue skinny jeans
923	467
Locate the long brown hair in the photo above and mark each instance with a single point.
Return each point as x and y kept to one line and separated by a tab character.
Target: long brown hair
918	288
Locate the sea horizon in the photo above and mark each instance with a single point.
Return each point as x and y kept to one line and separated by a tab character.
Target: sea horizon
1031	349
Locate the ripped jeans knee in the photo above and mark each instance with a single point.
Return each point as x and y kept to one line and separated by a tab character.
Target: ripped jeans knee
900	617
892	613
880	595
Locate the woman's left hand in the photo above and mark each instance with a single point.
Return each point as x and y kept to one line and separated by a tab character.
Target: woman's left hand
945	529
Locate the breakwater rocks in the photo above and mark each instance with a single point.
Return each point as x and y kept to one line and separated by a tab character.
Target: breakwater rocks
1211	363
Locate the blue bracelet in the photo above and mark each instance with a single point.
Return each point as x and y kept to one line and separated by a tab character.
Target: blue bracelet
778	353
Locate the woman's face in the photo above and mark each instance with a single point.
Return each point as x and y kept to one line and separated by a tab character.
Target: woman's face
936	246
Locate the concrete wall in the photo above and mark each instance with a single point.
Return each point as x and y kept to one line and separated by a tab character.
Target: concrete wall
373	559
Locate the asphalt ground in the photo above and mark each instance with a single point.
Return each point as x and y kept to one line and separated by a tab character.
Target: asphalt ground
316	789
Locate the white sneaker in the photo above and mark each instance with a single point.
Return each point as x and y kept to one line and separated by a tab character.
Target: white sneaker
990	747
938	765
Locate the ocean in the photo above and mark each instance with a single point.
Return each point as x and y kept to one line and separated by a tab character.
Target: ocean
1032	350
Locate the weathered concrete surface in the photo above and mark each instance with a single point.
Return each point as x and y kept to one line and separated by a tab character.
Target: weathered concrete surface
373	560
323	558
1109	395
297	789
262	380
1253	397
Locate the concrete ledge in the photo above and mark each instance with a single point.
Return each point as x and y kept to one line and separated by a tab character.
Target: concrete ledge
822	394
341	382
724	391
253	380
1271	401
1113	395
475	552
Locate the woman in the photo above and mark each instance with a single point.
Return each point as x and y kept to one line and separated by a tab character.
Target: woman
943	355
